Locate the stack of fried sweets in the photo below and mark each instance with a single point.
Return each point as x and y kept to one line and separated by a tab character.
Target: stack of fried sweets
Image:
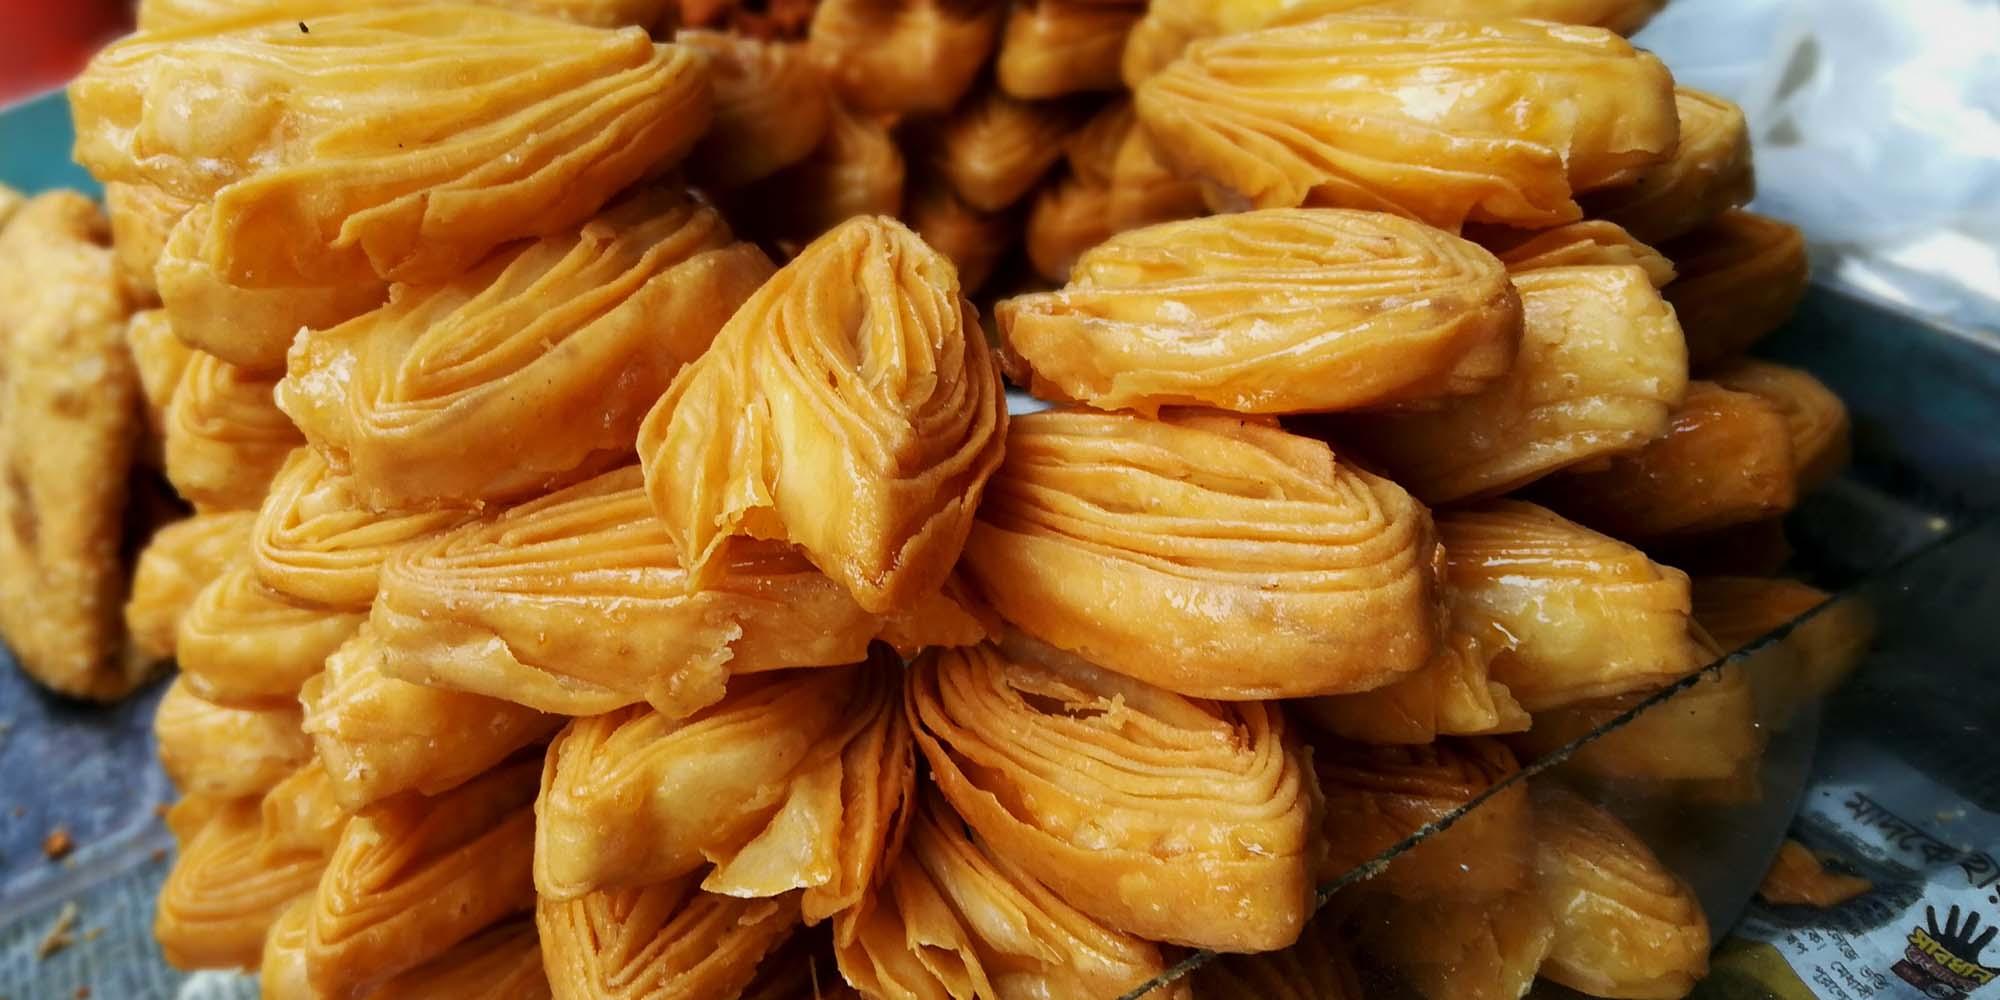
576	602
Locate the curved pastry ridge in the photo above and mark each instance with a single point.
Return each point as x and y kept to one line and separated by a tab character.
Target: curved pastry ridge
225	437
850	407
1144	191
972	240
242	642
1816	417
1741	276
177	564
1317	967
226	889
1707	732
1590	243
664	940
1378	795
906	57
771	107
315	543
1708	173
502	962
1069	217
174	15
857	169
141	217
1452	694
1458	947
1053	48
221	751
994	148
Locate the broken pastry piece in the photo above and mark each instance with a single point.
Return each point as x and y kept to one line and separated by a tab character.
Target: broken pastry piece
548	353
910	56
1376	796
242	643
315	543
225	437
771	107
1818	421
664	940
575	603
1279	311
1741	276
1708	174
1625	926
1798	878
505	961
222	752
850	407
1053	48
1320	114
228	886
1075	775
177	564
141	217
957	921
972	240
1590	243
794	781
1206	554
70	417
341	153
1601	367
1452	694
993	149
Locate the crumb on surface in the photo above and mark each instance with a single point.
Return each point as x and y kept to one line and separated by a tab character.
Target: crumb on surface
58	844
61	934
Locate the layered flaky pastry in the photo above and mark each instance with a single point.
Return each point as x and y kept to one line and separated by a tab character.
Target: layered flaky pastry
412	877
771	107
857	169
344	151
794	781
315	542
178	562
955	920
281	974
548	353
1069	216
1590	616
1590	243
1625	926
504	961
1053	48
1317	967
223	752
1144	190
1206	554
1452	694
225	437
972	240
141	217
229	885
378	736
1092	150
159	358
803	968
1416	116
1708	174
167	15
658	941
1602	365
850	407
1741	275
1165	817
1820	429
1458	947
993	148
1268	312
1708	732
576	603
241	642
1376	796
1810	661
909	56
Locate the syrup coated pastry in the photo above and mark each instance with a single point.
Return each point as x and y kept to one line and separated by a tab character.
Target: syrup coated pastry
178	562
1416	116
1600	369
659	941
413	877
956	920
1070	215
1317	967
1591	616
771	107
1144	190
972	240
65	463
993	148
904	56
575	603
1459	947
1452	694
548	353
141	217
795	780
1820	429
504	961
302	813
378	736
1625	926
281	974
1708	174
1726	459
1378	795
1799	878
221	752
1707	732
240	642
1210	555
857	169
225	437
850	407
343	152
227	886
1053	48
1092	150
159	358
1741	276
1592	242
1275	311
173	15
1825	648
1076	776
316	544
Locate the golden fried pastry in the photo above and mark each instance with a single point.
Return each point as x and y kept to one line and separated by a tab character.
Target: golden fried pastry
240	642
1725	459
850	407
1376	796
803	968
660	941
771	107
343	152
378	736
1452	694
1053	48
316	544
159	358
178	562
225	437
1625	926
1070	215
1826	647
1207	554
69	424
972	240
903	56
549	353
1459	947
795	780
227	888
1798	878
1417	116
141	217
1277	311
1741	275
10	203
1601	367
208	749
956	920
1708	174
1145	191
302	812
171	15
250	328
1317	967
575	603
1708	732
993	148
1092	150
1079	778
281	975
1590	616
856	170
1820	429
1590	243
502	962
413	877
